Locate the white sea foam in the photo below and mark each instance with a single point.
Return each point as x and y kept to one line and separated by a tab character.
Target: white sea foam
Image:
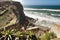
44	20
55	15
42	9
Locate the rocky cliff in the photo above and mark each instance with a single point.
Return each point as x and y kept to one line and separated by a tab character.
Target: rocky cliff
11	12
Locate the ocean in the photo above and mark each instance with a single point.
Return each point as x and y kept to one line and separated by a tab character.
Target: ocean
46	15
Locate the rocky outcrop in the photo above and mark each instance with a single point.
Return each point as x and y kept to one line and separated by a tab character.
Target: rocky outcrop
10	10
12	15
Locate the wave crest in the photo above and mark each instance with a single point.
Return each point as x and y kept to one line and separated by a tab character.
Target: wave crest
42	9
43	20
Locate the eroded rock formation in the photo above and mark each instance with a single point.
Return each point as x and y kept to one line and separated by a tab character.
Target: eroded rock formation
10	10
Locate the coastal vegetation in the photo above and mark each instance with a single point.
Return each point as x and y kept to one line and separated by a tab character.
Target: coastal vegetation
26	35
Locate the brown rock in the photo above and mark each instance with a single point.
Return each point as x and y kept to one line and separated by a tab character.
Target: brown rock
11	10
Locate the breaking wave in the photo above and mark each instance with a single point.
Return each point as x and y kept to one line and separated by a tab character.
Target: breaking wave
43	19
57	10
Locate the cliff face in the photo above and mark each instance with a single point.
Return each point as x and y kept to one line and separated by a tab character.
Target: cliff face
12	10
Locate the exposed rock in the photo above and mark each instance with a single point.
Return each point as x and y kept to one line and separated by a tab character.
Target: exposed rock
10	10
12	15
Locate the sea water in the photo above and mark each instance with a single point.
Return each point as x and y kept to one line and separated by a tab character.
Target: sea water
46	14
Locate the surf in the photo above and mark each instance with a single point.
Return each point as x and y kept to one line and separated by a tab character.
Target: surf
43	20
57	10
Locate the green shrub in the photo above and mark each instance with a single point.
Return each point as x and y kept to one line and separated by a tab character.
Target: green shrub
50	36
